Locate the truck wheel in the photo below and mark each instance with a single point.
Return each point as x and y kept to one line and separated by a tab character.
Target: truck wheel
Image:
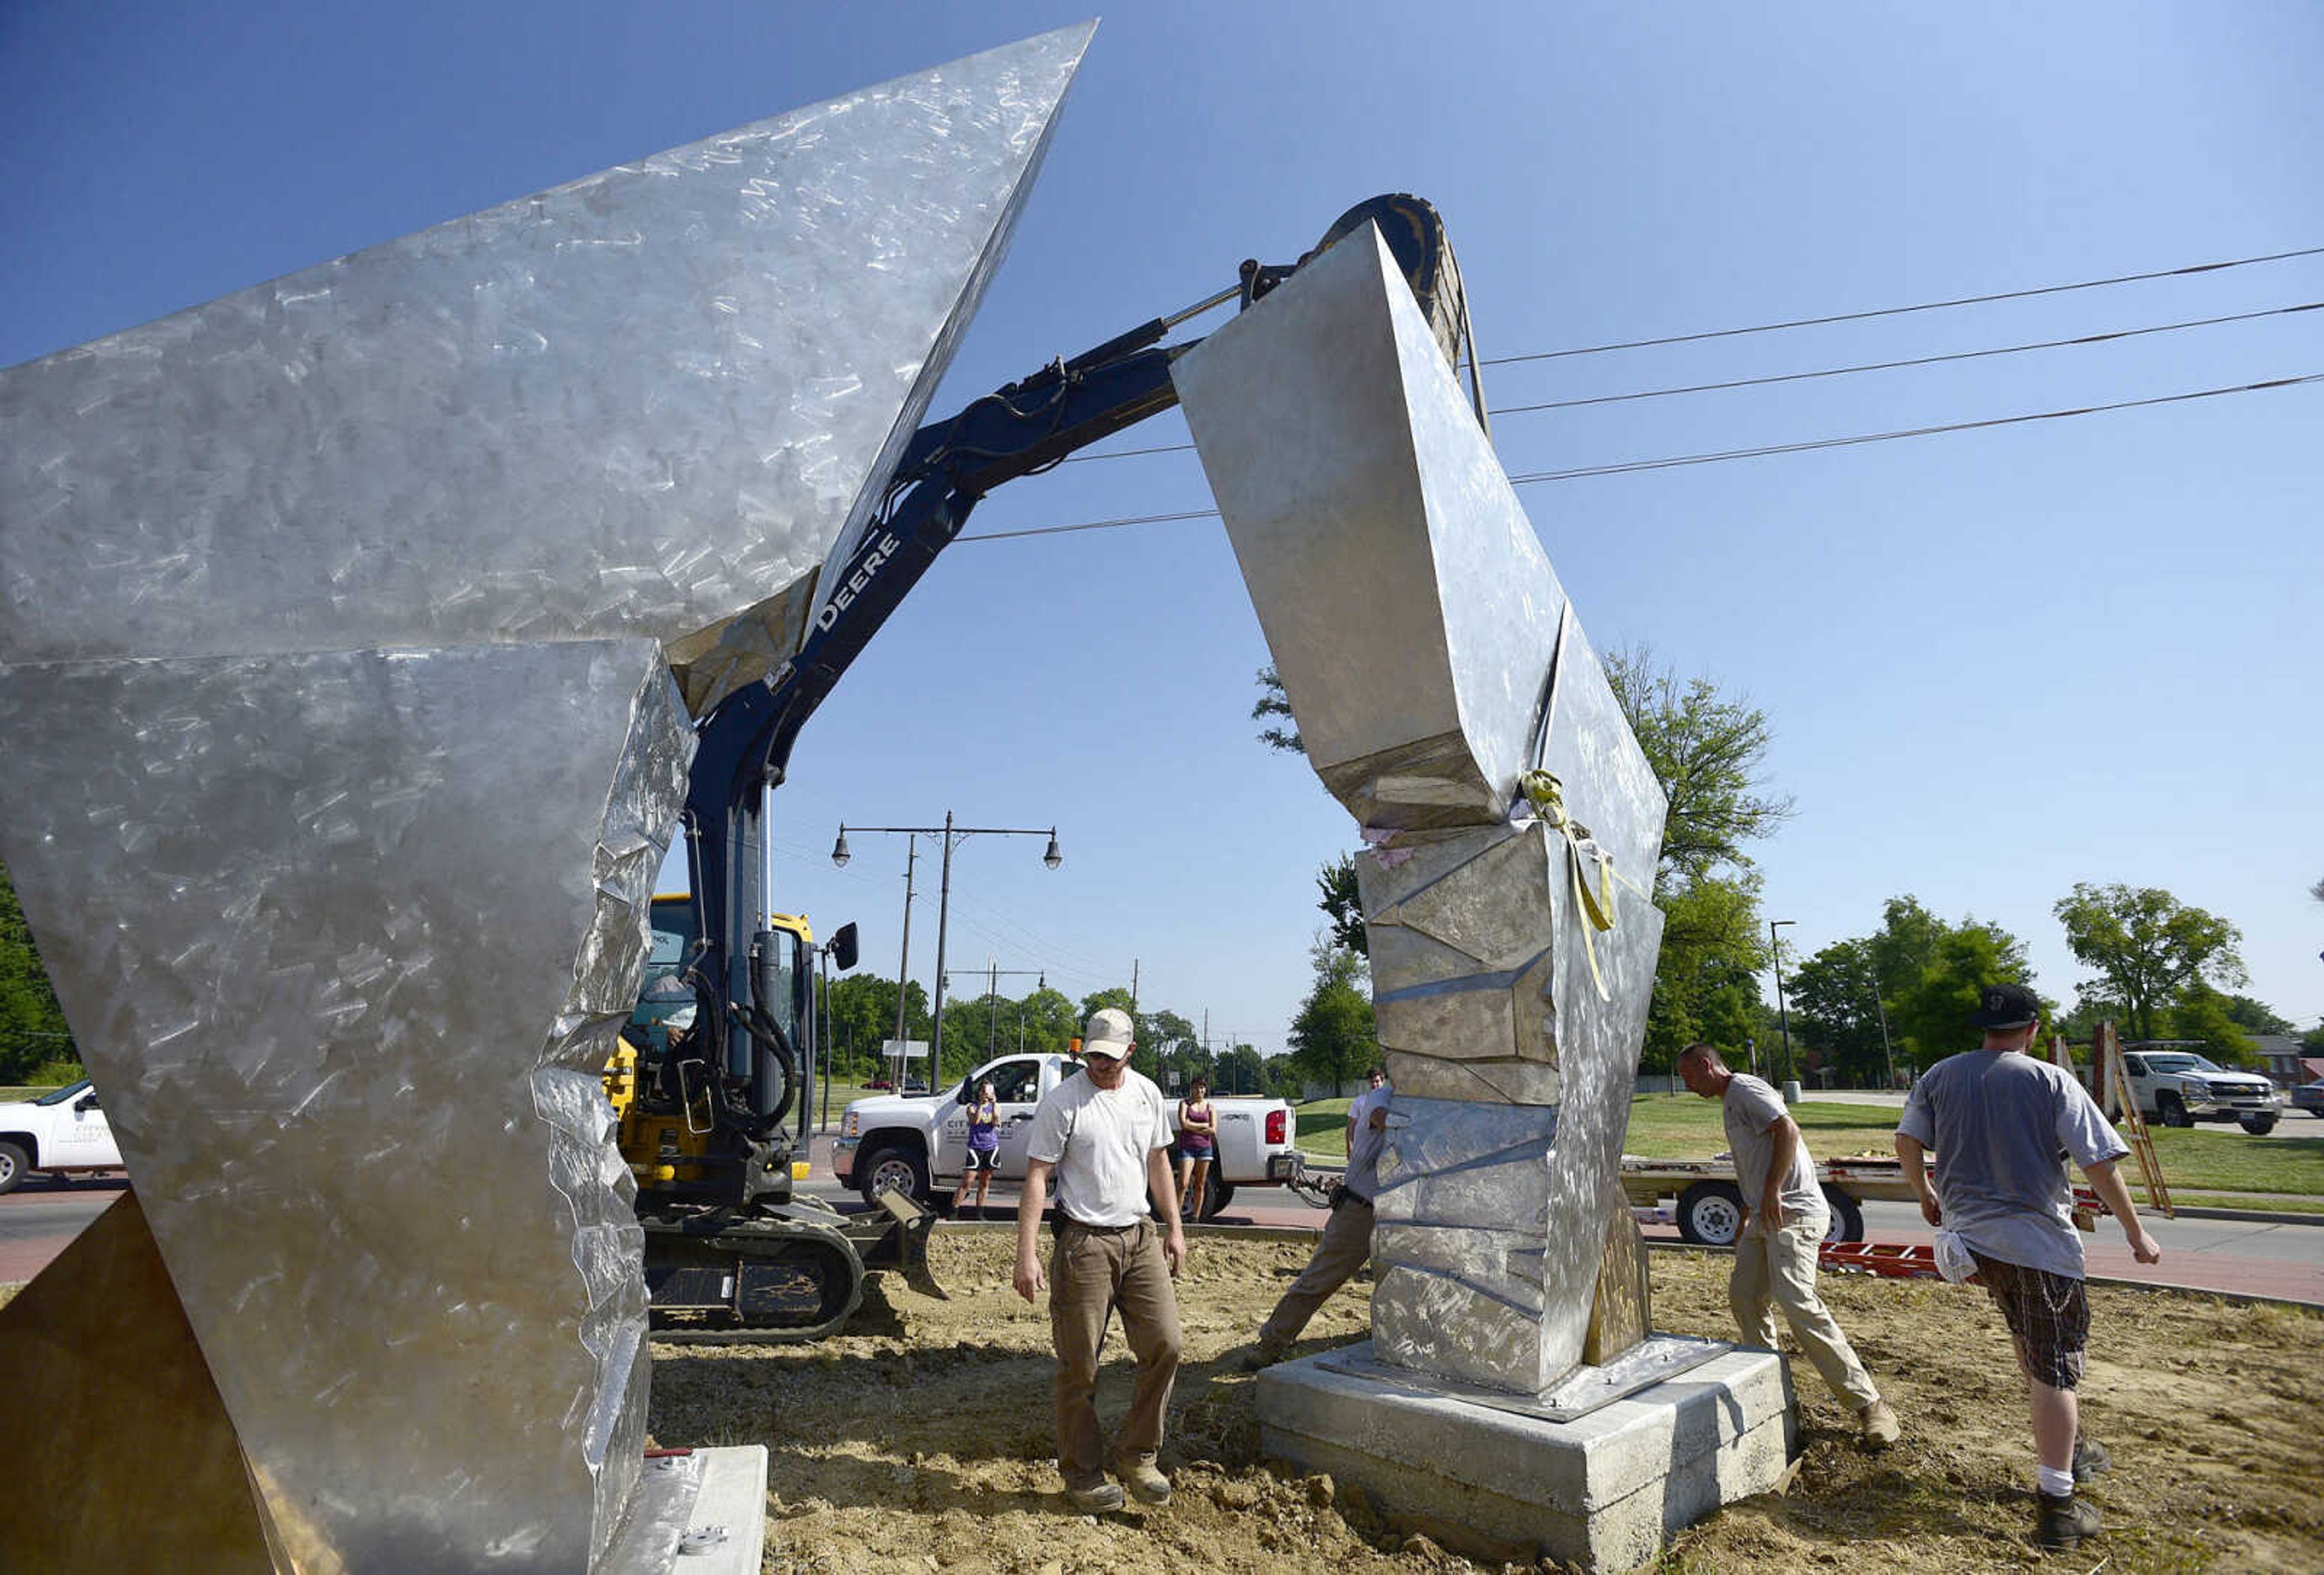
1847	1218
2258	1126
1710	1213
896	1168
1216	1195
14	1163
2173	1112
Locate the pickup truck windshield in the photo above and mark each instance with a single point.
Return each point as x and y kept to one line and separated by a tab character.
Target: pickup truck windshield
2180	1063
64	1093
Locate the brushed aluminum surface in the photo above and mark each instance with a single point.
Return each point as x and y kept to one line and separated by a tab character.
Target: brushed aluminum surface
345	938
1421	635
640	403
1407	602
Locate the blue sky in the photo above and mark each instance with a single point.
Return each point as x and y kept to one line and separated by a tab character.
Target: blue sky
1997	662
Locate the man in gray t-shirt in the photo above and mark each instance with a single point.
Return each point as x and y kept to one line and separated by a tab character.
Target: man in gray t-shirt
2002	1125
1778	1249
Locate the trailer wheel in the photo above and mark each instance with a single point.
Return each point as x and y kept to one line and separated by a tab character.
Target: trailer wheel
1847	1218
1710	1213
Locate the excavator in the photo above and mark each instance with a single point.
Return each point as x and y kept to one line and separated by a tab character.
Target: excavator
713	1081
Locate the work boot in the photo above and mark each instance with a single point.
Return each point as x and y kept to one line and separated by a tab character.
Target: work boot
1098	1499
2063	1521
2090	1457
1878	1425
1146	1485
1265	1354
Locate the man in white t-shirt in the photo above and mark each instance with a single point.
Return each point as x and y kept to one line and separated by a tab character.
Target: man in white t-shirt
1106	1133
1778	1249
1347	1242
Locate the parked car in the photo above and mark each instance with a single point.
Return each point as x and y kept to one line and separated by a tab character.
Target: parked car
2310	1096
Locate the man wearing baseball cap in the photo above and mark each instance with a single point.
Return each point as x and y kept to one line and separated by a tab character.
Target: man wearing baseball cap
1998	1120
1106	1133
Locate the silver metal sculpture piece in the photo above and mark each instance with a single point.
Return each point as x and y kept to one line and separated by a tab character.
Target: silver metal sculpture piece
336	623
1431	662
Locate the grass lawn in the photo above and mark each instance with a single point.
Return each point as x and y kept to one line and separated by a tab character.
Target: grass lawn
1682	1126
1322	1128
2225	1159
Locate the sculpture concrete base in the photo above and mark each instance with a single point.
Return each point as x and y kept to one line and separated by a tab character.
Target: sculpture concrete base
1604	1491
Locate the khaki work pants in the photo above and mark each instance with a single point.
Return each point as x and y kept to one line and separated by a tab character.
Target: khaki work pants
1346	1247
1092	1272
1779	1270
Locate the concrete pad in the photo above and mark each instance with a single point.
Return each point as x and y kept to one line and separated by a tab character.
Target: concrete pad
1605	1491
701	1512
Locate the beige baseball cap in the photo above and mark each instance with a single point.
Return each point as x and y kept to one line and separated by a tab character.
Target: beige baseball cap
1108	1033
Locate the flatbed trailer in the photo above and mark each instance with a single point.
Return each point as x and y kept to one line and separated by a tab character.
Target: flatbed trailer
1708	1207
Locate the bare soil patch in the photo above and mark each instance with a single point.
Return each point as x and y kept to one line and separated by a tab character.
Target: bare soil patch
921	1440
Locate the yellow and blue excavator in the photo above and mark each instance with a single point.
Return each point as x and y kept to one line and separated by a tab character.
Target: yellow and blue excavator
715	1078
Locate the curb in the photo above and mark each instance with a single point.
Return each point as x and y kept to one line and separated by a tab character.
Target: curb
2252	1216
2241	1298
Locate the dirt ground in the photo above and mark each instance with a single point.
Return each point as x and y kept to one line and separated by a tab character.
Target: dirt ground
921	1438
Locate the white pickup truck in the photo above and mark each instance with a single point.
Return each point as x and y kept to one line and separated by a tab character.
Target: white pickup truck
61	1132
915	1143
2179	1088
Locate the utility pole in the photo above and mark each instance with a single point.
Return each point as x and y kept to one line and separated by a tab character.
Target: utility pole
952	836
1886	1054
1783	1016
904	963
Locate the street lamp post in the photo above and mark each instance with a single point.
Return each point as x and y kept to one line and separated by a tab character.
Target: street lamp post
1782	1015
953	836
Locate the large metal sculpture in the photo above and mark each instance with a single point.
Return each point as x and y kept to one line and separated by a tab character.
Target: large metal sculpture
337	624
1449	698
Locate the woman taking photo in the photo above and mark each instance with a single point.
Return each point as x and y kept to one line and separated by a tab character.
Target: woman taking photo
984	1149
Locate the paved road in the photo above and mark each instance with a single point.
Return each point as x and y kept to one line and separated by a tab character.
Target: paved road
2237	1256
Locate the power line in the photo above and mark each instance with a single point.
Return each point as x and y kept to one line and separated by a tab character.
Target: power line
1696	388
1672	462
1676	460
1656	394
1926	305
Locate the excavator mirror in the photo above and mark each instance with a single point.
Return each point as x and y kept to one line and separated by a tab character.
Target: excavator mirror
842	946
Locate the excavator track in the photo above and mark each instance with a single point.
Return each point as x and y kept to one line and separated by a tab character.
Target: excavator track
781	1273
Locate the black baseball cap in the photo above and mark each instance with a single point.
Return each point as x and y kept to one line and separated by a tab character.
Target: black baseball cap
2006	1006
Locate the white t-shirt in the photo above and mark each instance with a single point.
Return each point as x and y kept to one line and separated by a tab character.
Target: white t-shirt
1099	1138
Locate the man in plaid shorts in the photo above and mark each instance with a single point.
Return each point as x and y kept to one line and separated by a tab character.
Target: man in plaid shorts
2002	1125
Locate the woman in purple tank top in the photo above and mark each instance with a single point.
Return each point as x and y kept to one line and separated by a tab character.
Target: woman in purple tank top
1198	1145
984	1149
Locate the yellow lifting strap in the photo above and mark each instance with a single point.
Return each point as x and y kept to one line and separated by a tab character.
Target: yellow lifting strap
1543	790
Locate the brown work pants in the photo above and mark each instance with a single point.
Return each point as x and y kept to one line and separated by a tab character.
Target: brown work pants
1346	1247
1092	1272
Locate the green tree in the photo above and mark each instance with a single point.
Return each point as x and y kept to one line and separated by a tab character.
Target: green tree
1929	1012
1045	1020
1708	750
1282	729
2203	1013
860	1016
1243	1071
1706	981
2147	948
1836	1006
1342	904
1334	1037
2255	1017
32	1032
